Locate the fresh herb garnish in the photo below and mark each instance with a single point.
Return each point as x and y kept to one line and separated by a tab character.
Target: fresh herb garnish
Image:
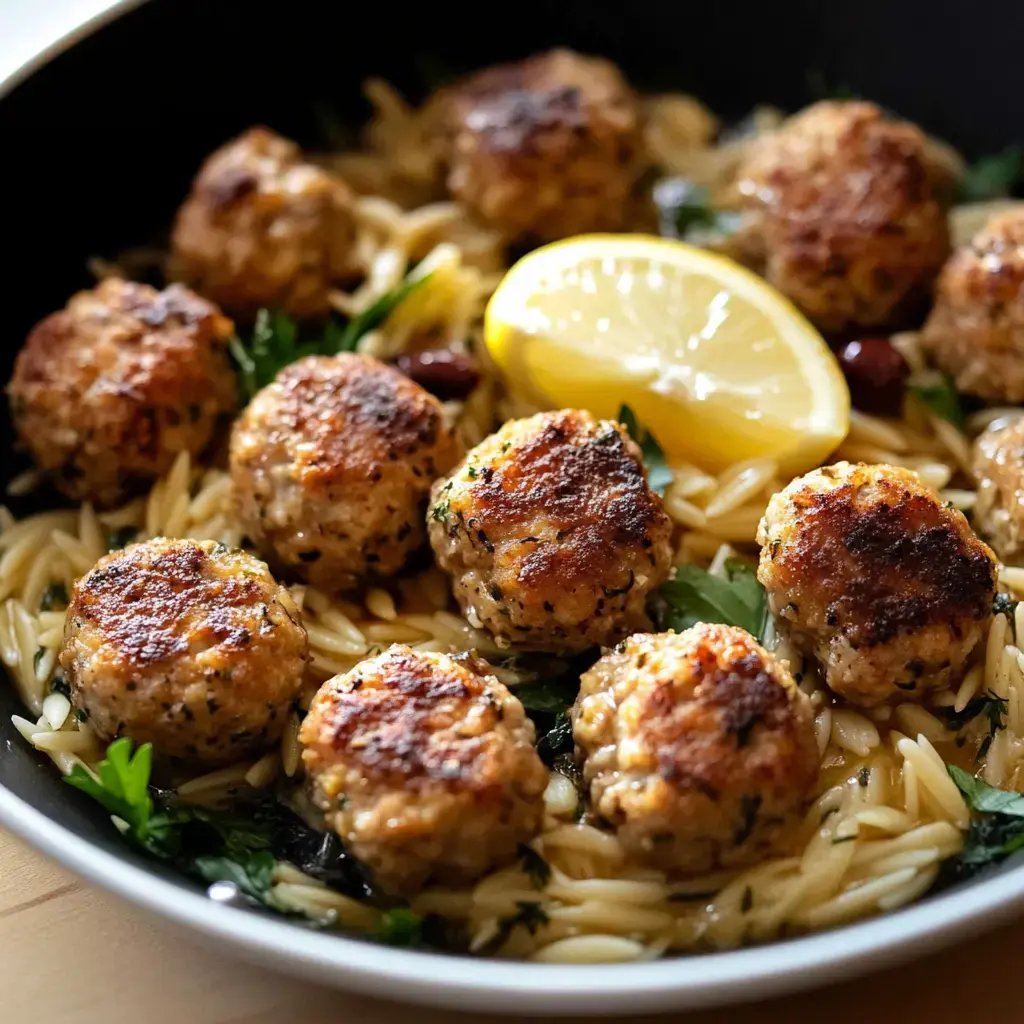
659	476
988	706
557	740
697	596
553	695
1000	829
537	869
54	596
943	399
370	319
685	211
440	511
992	177
119	539
529	915
401	926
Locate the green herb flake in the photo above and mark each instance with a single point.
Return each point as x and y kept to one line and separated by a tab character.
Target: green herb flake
535	866
55	596
401	926
659	476
943	399
441	511
685	212
695	595
992	177
997	832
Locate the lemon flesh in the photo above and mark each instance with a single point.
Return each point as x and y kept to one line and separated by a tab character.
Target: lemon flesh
714	362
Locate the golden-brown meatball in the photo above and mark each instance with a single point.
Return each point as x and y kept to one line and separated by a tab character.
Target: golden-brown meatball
975	332
262	227
999	469
699	748
107	392
188	645
546	148
551	534
331	466
845	215
425	766
869	572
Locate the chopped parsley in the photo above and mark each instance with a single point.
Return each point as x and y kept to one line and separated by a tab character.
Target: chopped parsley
441	511
943	399
401	926
685	212
659	476
992	177
535	866
529	915
998	830
697	596
55	596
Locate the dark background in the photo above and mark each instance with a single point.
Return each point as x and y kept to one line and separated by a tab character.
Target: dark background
99	146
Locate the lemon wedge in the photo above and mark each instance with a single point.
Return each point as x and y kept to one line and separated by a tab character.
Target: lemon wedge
715	363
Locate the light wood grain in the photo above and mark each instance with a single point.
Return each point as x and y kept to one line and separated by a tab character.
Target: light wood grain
72	955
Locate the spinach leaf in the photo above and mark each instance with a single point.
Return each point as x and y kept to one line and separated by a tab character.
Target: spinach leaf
556	740
1000	829
553	695
943	399
697	596
659	476
992	177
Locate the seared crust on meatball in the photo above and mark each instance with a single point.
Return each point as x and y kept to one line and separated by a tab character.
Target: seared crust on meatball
425	767
847	219
698	747
261	227
870	573
975	332
331	466
546	148
107	392
999	469
551	534
188	645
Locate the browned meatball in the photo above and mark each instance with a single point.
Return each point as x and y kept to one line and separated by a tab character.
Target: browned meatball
425	767
872	574
262	227
546	148
976	330
846	219
188	645
699	748
999	469
107	392
332	464
551	534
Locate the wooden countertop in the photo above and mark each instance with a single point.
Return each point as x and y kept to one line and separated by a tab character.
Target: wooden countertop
70	954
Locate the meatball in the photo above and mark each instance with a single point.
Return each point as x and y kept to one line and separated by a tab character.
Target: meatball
262	227
551	533
846	218
699	748
975	332
331	466
546	148
424	766
999	469
188	645
107	392
869	572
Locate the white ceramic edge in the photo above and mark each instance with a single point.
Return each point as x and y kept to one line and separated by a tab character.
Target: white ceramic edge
432	979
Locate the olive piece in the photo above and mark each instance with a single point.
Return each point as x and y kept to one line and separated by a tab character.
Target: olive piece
876	374
445	374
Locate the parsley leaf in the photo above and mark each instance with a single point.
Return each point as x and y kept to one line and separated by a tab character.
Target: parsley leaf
537	869
121	785
370	319
992	177
685	212
999	831
943	399
253	872
401	926
659	475
697	596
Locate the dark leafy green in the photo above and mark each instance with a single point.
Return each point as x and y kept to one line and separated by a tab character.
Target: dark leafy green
553	695
536	867
659	476
401	926
685	211
943	400
997	832
988	706
370	319
992	177
556	740
697	596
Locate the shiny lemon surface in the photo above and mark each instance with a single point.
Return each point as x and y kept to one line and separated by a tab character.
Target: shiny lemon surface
715	363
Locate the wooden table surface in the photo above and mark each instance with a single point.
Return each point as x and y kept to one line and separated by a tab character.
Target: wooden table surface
70	954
